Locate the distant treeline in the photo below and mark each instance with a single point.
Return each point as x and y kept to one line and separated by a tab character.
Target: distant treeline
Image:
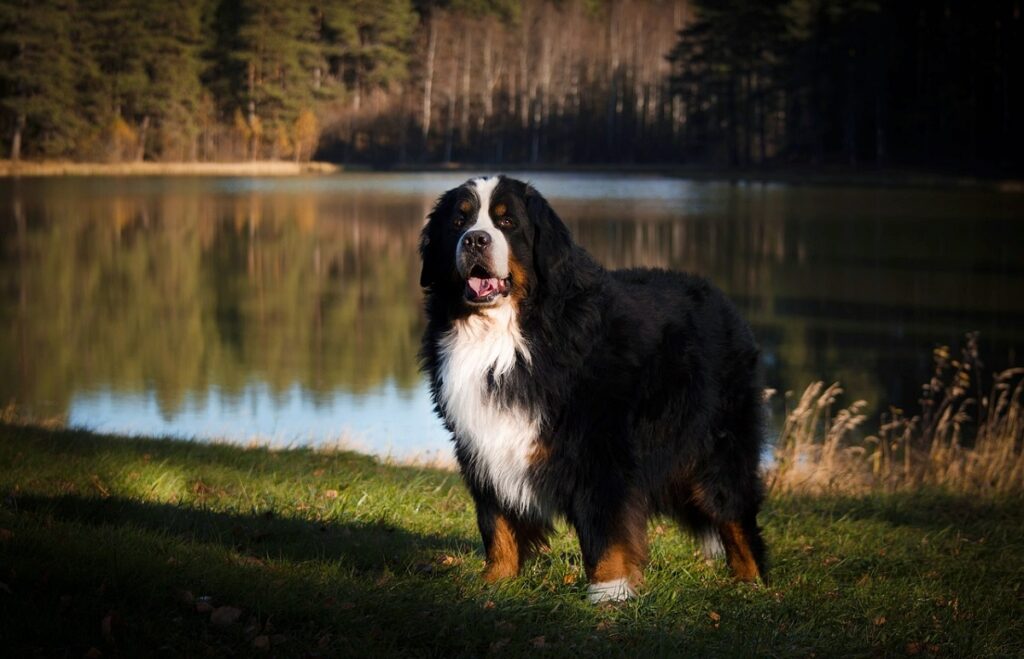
933	83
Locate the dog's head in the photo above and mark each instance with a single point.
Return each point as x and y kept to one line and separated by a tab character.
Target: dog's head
490	241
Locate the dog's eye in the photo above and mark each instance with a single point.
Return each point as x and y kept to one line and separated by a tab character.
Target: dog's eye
459	221
506	222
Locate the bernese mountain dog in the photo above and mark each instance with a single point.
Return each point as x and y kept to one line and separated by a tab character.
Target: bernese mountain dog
602	397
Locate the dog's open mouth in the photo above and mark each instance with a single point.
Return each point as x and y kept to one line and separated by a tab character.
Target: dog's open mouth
483	287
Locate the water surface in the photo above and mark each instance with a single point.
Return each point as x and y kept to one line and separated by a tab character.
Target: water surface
288	310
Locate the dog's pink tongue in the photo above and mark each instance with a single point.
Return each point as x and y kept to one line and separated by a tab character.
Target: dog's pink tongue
483	287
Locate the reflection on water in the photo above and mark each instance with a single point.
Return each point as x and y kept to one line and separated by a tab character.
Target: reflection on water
289	310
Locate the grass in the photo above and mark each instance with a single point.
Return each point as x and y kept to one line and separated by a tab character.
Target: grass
113	546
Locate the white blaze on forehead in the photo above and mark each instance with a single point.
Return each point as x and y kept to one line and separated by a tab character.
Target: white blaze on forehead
484	189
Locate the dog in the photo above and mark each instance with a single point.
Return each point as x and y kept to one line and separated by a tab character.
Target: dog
601	397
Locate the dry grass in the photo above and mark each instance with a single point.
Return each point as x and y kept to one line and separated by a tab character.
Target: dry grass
247	168
966	439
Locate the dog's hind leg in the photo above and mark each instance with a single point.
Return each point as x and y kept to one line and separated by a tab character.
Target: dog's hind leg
703	528
744	548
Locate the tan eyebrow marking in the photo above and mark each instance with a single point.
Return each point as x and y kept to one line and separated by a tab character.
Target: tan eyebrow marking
500	209
465	206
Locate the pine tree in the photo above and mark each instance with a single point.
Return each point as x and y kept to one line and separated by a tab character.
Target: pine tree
37	76
276	50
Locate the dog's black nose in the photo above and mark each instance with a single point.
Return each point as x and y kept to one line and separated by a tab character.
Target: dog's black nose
476	239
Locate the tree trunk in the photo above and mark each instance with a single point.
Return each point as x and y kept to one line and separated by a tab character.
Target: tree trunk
428	77
467	59
19	128
140	150
253	138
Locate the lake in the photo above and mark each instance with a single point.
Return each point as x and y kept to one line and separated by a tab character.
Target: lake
288	311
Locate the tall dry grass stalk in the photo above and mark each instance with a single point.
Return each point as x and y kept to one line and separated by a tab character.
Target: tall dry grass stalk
965	439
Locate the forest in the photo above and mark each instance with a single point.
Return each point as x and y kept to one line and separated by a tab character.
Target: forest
931	84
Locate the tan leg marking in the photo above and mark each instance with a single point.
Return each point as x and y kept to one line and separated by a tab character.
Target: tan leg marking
738	552
512	544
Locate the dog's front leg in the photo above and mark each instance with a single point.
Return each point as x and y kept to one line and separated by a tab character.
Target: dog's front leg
508	541
614	546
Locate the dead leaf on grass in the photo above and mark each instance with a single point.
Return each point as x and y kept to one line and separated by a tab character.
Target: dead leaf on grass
223	616
538	641
331	494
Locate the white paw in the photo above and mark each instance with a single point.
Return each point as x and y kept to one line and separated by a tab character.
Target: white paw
711	545
616	590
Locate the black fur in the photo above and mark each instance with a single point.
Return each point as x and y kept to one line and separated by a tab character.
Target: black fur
647	381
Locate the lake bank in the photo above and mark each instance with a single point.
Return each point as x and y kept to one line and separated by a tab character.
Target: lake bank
246	168
815	176
797	175
133	545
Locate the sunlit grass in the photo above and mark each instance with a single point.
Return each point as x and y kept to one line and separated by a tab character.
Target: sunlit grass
110	543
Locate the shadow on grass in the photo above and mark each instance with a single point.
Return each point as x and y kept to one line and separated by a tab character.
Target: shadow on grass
371	546
337	588
925	510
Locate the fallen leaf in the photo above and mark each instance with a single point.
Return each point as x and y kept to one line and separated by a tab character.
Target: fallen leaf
223	616
604	625
538	641
912	648
261	643
499	644
319	472
714	615
570	578
346	606
489	604
331	494
449	560
934	647
830	560
879	621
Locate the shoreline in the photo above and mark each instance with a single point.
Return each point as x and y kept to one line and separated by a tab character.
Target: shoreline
50	168
815	176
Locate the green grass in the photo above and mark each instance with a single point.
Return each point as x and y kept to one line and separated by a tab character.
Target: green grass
106	541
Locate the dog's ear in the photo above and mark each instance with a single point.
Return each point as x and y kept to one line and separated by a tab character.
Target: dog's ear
431	239
552	243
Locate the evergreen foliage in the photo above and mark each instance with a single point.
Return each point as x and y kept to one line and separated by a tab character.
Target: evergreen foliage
735	83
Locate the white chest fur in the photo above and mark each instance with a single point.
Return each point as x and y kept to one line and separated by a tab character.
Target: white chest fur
498	437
